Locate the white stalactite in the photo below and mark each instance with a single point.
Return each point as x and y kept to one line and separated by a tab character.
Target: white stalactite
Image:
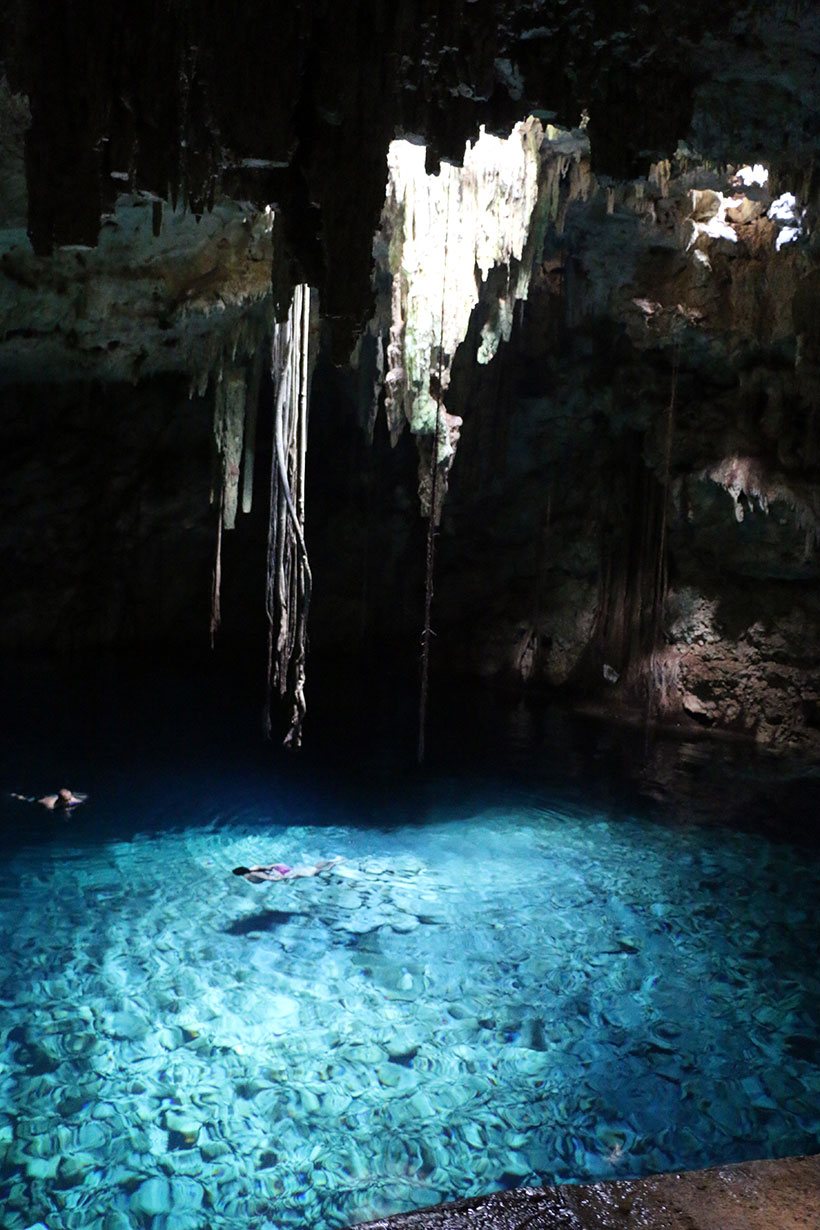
234	401
230	400
444	238
251	410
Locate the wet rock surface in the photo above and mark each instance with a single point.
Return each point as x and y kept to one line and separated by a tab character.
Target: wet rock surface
776	1195
633	514
135	248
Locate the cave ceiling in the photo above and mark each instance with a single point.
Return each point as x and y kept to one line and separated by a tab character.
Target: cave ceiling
129	124
169	171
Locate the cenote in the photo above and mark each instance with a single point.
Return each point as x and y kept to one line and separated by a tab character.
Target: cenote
556	955
411	486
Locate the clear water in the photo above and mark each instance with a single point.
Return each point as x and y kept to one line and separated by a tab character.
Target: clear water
523	971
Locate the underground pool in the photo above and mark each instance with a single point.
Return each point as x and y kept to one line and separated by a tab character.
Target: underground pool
514	976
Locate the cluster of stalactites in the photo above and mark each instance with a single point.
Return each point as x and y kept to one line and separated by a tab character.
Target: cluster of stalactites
236	397
289	581
449	241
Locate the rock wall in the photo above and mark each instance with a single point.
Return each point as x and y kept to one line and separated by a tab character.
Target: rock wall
633	513
107	535
193	100
636	512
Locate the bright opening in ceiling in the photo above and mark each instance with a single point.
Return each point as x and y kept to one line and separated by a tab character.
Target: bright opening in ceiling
753	177
452	240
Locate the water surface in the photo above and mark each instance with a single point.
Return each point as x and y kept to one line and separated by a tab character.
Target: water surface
550	958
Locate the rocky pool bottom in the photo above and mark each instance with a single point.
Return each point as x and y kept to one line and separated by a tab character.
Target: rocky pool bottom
526	970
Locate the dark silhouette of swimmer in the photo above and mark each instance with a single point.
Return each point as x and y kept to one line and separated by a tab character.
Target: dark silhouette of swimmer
63	799
281	871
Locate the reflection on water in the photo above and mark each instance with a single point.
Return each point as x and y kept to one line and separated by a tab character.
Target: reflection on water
553	957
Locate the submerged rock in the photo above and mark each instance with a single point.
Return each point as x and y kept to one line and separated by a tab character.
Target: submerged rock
128	1026
153	1197
402	1046
364	921
182	1127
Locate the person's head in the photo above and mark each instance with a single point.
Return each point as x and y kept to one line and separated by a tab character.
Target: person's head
65	795
241	871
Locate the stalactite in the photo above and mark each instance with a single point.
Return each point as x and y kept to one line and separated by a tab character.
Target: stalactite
216	581
751	483
289	579
234	401
233	367
230	403
251	409
489	218
217	497
493	212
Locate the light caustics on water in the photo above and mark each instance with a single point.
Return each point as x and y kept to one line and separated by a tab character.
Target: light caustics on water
483	1000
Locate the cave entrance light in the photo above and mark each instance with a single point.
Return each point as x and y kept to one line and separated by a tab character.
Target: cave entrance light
756	176
448	242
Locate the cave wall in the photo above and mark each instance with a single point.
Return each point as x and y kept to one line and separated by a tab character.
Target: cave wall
196	100
140	259
559	498
662	361
110	492
107	533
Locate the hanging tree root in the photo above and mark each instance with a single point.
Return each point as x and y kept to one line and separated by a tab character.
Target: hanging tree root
289	579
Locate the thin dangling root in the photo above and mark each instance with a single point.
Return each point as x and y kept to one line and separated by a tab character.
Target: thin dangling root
657	674
216	584
432	519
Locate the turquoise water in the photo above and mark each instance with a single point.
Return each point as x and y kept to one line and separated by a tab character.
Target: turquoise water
498	986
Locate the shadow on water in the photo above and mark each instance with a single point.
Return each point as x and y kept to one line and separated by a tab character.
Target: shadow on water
265	920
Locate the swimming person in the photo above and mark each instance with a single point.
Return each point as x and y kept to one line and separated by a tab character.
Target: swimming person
62	799
281	871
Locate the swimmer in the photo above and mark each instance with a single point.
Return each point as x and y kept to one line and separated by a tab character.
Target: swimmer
281	871
62	799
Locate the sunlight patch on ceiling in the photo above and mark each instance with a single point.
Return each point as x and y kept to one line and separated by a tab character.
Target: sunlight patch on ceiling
450	242
789	216
449	231
753	177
